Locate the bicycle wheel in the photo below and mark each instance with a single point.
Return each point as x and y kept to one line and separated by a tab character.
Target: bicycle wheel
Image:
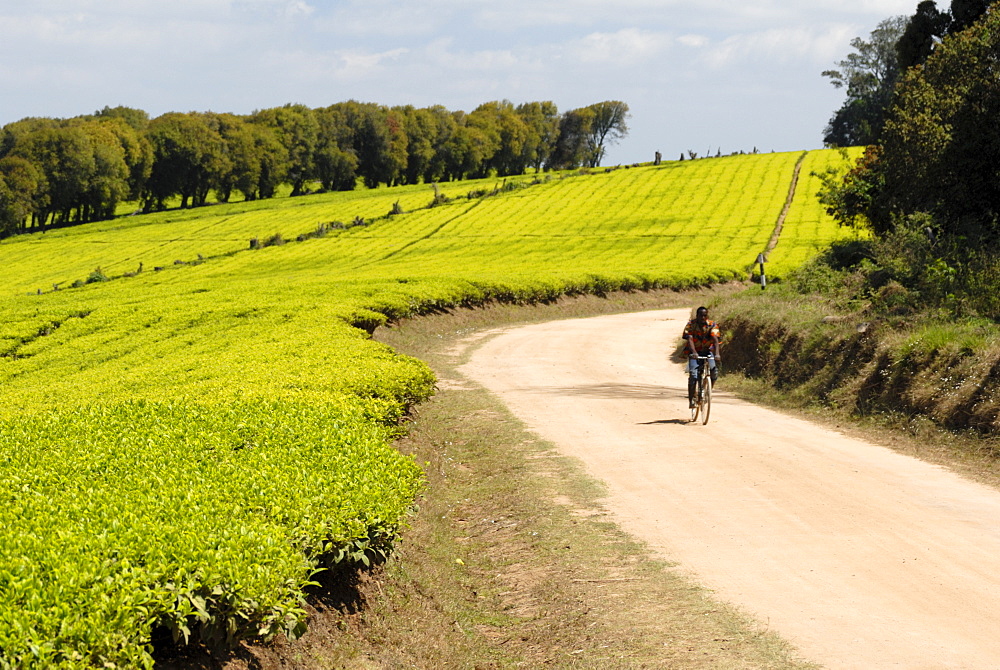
697	403
707	400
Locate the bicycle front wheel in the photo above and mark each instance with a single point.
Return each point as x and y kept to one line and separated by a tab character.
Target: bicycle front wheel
707	401
697	401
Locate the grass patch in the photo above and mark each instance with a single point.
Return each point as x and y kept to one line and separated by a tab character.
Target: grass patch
957	337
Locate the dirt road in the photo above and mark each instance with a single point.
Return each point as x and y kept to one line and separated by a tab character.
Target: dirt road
859	556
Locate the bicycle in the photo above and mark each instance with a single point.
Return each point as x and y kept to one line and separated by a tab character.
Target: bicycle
703	397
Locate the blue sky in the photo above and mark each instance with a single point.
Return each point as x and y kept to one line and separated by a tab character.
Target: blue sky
697	75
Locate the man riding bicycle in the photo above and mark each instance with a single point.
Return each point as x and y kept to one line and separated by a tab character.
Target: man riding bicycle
702	337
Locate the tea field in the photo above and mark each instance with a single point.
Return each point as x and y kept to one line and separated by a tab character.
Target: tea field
187	434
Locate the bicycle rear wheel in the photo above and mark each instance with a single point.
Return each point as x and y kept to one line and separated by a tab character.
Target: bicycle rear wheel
706	400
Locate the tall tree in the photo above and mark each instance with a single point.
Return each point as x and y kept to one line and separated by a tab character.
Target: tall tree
65	156
507	133
241	168
19	182
109	183
297	128
273	162
137	152
378	162
542	120
464	151
421	133
610	124
336	162
572	147
376	136
445	126
965	12
922	31
869	74
188	157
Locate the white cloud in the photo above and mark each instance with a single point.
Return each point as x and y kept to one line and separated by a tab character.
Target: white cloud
289	8
334	67
298	9
626	47
694	41
780	46
381	20
443	59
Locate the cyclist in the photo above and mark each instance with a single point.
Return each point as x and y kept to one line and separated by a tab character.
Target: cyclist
702	339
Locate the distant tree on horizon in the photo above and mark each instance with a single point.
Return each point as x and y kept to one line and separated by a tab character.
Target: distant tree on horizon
610	125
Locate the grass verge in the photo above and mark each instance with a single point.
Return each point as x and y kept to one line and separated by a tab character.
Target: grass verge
511	560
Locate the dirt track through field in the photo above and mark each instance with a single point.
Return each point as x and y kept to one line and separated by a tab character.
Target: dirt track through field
861	557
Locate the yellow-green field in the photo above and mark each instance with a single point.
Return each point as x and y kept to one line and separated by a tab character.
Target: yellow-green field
808	229
181	447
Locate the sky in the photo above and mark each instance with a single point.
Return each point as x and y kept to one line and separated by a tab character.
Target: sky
698	75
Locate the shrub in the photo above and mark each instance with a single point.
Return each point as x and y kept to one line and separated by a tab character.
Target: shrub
96	276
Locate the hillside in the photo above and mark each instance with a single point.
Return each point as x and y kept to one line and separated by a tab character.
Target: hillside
196	398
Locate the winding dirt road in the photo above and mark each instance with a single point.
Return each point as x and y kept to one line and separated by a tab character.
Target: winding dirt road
861	557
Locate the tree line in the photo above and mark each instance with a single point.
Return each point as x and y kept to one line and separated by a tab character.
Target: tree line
869	74
77	170
928	183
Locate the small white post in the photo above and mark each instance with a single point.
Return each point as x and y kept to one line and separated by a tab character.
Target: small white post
763	277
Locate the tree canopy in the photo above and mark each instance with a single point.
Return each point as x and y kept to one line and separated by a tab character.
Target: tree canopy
941	148
871	71
939	153
868	74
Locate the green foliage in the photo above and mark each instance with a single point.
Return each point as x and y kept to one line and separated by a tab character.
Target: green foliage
917	40
929	367
816	277
187	155
275	240
610	125
20	186
848	193
205	520
965	12
940	152
929	192
96	276
80	170
585	133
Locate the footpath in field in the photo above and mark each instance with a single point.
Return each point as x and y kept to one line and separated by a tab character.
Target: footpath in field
861	557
